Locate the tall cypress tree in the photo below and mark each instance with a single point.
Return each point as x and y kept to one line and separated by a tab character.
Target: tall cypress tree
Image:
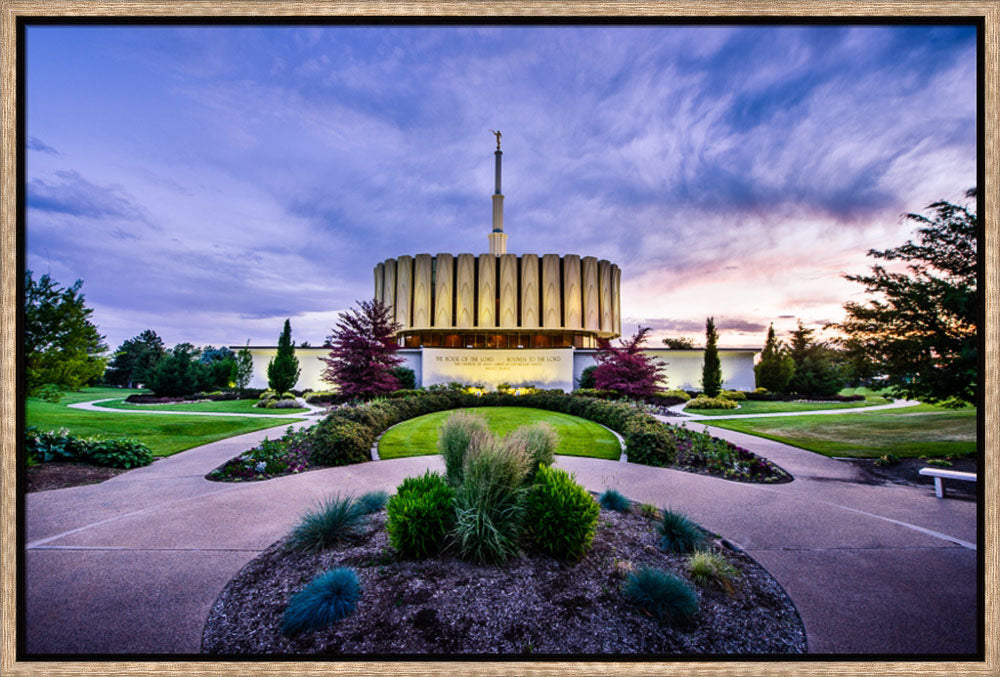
283	369
711	370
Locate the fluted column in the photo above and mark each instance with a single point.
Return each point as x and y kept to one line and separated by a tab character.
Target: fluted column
591	300
465	281
421	291
444	290
404	290
551	304
389	287
379	278
487	310
529	291
572	293
508	290
604	275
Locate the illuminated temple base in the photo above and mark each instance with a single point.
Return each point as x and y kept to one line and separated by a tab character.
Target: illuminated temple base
542	367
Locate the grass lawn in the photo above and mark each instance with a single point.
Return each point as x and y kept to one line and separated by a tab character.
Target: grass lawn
164	435
577	436
764	407
223	406
923	430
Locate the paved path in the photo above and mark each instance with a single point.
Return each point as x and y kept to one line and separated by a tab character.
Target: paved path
134	564
693	416
91	406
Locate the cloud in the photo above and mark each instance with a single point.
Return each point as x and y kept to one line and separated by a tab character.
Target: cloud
76	196
34	143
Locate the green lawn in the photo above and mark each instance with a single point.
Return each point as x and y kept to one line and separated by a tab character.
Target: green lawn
577	436
223	406
164	435
764	407
923	430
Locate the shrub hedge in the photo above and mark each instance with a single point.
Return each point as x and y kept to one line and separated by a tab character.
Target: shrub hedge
60	445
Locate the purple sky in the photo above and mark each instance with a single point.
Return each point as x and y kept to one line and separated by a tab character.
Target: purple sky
208	182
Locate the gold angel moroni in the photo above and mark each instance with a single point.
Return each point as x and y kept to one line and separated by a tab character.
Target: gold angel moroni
496	133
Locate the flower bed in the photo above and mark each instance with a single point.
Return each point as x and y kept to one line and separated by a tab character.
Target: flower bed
347	433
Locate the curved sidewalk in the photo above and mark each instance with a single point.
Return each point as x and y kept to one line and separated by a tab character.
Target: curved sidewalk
91	405
134	564
690	416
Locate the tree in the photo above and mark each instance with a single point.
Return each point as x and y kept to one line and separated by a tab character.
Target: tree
711	368
587	377
179	373
817	371
244	367
626	369
283	369
679	343
405	377
134	358
921	327
363	351
776	366
62	347
222	365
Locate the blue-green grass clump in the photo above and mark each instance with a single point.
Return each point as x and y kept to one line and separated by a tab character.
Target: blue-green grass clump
667	597
336	519
328	598
611	499
678	533
373	501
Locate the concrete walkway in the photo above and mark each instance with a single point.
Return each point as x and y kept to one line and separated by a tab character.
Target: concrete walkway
92	406
693	416
134	564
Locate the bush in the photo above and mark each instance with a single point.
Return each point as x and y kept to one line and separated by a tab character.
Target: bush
587	380
341	442
328	598
122	452
539	441
734	395
679	394
711	569
373	501
678	533
421	515
336	519
267	395
60	445
649	442
612	500
663	595
454	439
561	515
287	455
489	505
405	377
702	402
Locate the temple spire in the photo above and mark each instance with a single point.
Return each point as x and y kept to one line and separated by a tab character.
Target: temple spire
498	239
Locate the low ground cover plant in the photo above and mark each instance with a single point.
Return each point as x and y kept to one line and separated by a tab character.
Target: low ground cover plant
709	568
289	454
60	445
667	597
677	533
348	432
611	499
328	598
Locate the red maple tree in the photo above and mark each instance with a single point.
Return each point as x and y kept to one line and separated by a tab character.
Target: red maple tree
626	368
363	351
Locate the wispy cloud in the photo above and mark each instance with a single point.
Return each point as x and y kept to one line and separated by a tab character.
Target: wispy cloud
34	143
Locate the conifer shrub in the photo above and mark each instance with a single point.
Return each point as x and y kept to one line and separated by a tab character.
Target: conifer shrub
611	499
709	568
677	533
421	515
561	515
649	442
454	439
328	598
667	597
702	402
734	395
341	442
489	504
539	441
336	519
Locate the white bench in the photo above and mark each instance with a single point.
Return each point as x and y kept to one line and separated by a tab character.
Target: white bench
940	474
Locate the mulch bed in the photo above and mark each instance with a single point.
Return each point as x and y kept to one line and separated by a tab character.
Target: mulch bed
45	476
535	605
906	471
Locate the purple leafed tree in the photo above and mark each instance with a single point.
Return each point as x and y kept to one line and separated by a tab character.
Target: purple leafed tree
626	368
363	351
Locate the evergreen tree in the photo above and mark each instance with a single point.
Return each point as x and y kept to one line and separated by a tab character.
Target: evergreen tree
283	369
711	369
179	373
134	358
816	368
626	369
62	347
679	343
920	328
587	377
363	351
244	367
776	366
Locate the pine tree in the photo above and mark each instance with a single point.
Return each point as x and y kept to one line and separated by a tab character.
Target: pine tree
283	369
816	368
244	367
626	369
711	370
363	351
134	358
776	366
